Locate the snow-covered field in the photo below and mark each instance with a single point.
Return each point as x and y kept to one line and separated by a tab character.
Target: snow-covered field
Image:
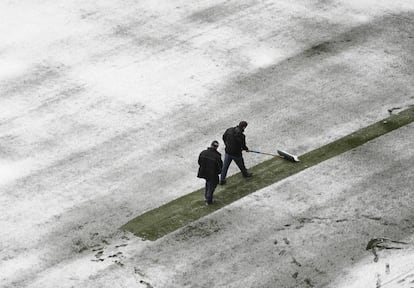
105	106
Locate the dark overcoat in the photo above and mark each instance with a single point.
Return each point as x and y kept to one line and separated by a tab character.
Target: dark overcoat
235	141
210	165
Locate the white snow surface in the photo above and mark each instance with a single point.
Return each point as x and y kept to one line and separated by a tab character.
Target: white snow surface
105	105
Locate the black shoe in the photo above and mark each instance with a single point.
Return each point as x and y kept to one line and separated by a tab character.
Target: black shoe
208	203
223	182
247	175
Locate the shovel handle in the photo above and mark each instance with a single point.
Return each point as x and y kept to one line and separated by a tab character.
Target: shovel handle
258	152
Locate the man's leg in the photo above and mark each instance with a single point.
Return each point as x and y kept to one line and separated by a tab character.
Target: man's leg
240	163
226	164
206	191
213	186
210	187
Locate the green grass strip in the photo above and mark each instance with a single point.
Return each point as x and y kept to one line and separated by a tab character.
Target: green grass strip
173	215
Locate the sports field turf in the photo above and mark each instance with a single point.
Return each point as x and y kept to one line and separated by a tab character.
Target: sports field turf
186	209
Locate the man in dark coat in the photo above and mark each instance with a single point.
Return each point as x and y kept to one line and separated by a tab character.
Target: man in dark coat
210	167
235	142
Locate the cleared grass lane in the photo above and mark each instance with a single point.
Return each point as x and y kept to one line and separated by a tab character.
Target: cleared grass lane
173	215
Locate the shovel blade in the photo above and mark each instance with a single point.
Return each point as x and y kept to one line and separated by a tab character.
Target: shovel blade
288	156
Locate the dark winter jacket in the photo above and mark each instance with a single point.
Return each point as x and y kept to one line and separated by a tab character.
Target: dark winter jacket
210	165
235	141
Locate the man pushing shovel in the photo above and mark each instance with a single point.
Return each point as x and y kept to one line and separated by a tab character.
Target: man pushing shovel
235	142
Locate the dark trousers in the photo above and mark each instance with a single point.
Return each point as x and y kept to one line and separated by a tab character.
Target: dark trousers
227	161
210	187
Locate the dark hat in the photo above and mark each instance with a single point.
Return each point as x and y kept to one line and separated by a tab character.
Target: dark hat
243	124
215	144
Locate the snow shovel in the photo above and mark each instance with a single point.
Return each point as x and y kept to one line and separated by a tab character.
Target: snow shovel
280	154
